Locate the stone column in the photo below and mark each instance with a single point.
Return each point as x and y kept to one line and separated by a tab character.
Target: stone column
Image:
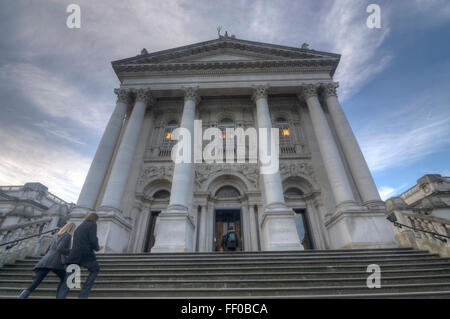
203	228
350	226
176	229
182	174
99	167
113	229
122	164
334	167
352	151
278	222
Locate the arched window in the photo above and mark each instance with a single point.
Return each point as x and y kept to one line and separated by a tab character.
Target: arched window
293	191
161	194
227	192
167	143
286	139
223	125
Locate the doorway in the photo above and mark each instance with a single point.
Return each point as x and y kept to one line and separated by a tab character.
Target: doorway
224	220
303	229
150	236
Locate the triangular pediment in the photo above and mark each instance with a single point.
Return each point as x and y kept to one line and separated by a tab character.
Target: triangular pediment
227	52
223	55
228	49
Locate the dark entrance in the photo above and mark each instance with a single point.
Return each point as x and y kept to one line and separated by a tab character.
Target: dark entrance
150	237
303	229
224	220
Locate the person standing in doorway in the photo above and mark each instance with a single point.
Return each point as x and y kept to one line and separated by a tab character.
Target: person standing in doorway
230	240
58	250
85	243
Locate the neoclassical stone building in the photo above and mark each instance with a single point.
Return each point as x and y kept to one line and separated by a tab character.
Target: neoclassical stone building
322	197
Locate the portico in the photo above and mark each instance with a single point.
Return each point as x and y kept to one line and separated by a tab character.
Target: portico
323	177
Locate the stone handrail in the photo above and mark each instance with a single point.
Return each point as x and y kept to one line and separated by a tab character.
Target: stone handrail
35	245
410	191
11	188
421	240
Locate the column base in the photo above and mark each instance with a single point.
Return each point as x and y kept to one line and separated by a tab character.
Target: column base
79	212
375	205
174	232
113	230
279	230
360	230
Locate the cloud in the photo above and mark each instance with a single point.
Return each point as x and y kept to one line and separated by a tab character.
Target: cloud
344	27
51	129
53	96
406	135
387	192
28	157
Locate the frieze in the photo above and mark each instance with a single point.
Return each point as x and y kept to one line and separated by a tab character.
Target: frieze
155	170
293	169
204	171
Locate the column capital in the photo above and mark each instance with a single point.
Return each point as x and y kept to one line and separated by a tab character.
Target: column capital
191	93
308	90
329	89
260	91
123	95
143	95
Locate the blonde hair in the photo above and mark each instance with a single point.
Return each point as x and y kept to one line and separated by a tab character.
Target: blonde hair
67	228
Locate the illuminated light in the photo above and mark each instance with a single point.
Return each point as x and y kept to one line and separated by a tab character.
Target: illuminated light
168	135
286	132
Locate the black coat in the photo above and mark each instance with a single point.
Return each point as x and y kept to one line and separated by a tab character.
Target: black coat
85	242
52	259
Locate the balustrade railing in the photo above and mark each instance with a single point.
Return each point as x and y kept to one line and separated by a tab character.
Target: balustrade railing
25	239
423	232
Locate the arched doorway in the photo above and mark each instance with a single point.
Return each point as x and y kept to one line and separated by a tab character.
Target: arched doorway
157	199
227	221
296	190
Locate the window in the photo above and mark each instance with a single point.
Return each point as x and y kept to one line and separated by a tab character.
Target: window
293	191
167	143
223	125
227	192
286	140
161	194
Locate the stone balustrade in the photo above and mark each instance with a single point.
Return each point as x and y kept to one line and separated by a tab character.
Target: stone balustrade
33	246
409	238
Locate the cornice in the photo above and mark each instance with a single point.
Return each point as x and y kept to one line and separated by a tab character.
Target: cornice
226	65
291	70
227	44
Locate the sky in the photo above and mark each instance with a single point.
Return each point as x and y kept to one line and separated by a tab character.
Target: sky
56	83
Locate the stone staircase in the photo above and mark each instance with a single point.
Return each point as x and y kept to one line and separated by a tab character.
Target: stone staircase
306	274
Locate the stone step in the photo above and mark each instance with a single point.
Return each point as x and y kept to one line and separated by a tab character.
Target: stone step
263	253
267	253
262	268
278	263
372	295
233	283
443	287
249	259
236	275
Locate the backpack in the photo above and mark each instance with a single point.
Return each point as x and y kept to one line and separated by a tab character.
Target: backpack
231	240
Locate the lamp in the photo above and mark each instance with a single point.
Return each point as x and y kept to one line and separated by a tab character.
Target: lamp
392	218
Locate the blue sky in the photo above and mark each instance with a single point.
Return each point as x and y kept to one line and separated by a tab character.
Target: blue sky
56	84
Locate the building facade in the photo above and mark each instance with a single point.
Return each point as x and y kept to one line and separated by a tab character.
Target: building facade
322	197
424	207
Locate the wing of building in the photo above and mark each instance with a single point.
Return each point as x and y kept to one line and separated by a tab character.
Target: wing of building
321	197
